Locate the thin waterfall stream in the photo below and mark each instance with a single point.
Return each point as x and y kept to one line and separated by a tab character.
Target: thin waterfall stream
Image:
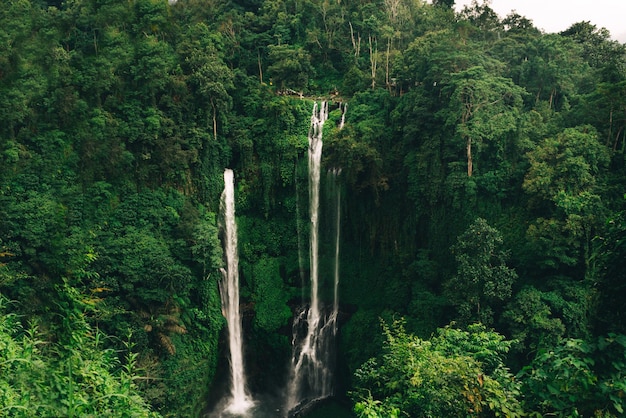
314	330
240	401
334	174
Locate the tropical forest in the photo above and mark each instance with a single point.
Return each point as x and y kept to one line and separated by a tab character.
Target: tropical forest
309	208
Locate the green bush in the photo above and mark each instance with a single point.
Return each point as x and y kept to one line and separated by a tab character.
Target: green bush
456	373
51	379
577	378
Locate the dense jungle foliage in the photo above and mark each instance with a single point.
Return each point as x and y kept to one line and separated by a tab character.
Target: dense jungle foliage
483	222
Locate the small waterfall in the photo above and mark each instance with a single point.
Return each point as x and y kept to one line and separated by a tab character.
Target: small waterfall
313	331
344	109
336	194
240	401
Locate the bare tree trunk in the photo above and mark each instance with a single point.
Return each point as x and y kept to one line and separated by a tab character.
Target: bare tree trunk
552	94
387	65
617	138
373	62
260	66
538	95
469	157
356	45
467	114
610	135
214	120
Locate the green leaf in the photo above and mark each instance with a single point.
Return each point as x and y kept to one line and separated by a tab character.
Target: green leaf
552	389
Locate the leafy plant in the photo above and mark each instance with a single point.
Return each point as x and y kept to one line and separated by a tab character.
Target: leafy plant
457	373
51	379
577	378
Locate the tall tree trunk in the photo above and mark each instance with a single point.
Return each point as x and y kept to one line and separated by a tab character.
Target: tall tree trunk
552	96
610	135
356	45
214	120
260	67
469	157
387	65
373	62
617	139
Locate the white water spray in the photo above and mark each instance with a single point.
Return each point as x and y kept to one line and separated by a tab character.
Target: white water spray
344	109
312	362
334	174
240	402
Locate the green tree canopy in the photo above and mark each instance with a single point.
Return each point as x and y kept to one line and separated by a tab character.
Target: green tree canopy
483	278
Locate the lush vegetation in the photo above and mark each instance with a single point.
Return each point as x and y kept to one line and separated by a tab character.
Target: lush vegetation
483	170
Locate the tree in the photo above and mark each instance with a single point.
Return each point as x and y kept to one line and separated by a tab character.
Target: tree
152	66
554	71
444	3
23	81
484	109
290	67
612	285
456	373
605	109
599	50
532	321
208	74
483	277
564	181
484	19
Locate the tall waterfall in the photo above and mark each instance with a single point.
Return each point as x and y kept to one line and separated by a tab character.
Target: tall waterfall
240	401
334	174
313	330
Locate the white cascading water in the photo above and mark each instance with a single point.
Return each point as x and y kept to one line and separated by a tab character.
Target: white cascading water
240	401
334	174
311	368
344	109
337	193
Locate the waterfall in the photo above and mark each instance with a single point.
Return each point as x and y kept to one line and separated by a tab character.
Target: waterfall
334	174
315	160
337	193
344	109
313	330
240	401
